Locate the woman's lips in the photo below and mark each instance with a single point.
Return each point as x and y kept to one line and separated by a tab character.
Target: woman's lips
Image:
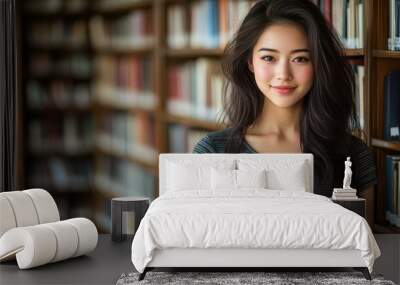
283	90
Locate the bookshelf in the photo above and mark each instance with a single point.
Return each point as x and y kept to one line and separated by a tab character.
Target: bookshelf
56	102
380	62
167	40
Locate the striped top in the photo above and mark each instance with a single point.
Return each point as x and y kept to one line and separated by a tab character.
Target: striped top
363	163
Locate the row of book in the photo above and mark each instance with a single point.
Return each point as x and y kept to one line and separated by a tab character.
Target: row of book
393	189
359	72
54	6
125	81
182	139
61	174
59	34
78	65
391	127
131	73
212	23
127	134
195	89
133	30
121	177
344	194
69	134
394	25
57	94
347	17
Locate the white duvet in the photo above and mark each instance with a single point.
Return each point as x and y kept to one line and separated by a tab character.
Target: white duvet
252	218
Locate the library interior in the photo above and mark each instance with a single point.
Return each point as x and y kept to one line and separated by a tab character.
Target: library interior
105	86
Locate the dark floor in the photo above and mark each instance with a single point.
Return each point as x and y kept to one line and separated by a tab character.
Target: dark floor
110	260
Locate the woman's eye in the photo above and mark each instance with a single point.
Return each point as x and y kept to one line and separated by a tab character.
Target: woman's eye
268	58
301	59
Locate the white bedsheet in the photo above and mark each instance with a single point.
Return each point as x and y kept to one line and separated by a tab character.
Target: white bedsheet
252	218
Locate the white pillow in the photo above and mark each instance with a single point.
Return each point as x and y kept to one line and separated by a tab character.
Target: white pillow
281	174
223	179
251	178
235	179
183	178
292	180
186	174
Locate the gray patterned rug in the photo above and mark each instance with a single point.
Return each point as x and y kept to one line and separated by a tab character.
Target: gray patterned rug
242	278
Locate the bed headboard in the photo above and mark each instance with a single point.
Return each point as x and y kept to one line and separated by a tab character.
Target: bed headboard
209	159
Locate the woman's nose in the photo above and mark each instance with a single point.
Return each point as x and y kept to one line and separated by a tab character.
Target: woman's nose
283	71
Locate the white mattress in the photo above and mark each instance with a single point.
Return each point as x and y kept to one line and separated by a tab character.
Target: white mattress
253	218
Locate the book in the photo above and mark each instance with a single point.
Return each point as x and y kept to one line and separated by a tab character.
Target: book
394	25
392	189
392	106
344	191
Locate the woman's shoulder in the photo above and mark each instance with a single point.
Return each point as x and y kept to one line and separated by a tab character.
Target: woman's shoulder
213	142
360	150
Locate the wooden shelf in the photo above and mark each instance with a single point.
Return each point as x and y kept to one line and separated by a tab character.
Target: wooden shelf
192	122
193	53
62	152
151	167
57	15
386	144
124	50
354	52
386	54
386	229
59	110
64	191
123	8
61	48
136	109
58	76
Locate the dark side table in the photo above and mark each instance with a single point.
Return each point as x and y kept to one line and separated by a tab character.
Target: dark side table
357	205
126	214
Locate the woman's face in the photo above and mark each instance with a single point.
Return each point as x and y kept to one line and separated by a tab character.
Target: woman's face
282	65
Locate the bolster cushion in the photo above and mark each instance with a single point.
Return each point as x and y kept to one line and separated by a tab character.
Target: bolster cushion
40	244
26	208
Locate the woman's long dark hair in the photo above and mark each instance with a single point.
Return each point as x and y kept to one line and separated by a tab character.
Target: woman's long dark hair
328	116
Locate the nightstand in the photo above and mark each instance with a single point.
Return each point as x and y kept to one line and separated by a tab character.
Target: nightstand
126	214
357	205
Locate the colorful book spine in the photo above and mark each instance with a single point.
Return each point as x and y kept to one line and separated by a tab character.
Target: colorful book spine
392	106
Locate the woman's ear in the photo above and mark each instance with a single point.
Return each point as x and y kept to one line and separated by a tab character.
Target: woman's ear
250	65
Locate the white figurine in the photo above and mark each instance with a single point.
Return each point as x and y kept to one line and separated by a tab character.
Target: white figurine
347	174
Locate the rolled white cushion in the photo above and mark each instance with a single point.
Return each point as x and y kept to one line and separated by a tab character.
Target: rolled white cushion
23	208
33	246
7	218
41	244
66	238
45	205
87	235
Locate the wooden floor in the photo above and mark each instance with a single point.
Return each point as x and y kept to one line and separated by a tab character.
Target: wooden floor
110	260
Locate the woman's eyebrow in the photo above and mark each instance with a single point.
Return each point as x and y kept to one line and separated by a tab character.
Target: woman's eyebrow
293	51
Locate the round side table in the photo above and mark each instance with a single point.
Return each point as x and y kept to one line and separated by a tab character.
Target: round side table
126	214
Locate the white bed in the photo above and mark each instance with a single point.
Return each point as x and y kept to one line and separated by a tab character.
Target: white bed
201	220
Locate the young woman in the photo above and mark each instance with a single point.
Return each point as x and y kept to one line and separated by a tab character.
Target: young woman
290	90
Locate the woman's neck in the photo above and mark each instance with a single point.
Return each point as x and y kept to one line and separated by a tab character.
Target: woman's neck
283	122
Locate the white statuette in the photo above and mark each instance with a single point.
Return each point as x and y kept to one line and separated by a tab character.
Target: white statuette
347	174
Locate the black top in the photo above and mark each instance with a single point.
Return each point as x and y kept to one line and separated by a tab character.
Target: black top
363	163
